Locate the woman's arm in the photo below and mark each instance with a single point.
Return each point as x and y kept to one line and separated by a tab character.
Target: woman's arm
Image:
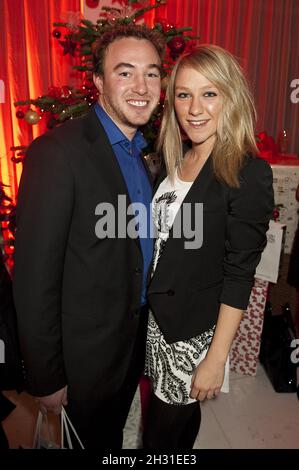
208	376
249	210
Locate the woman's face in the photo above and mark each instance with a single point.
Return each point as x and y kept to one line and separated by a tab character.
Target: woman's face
198	104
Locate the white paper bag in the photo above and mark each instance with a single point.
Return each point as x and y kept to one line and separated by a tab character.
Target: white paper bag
269	266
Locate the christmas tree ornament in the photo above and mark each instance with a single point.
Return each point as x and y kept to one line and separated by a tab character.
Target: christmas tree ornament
275	214
65	92
176	45
56	33
92	3
20	114
69	46
31	117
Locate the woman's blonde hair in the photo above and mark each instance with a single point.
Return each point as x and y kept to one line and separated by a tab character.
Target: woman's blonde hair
235	129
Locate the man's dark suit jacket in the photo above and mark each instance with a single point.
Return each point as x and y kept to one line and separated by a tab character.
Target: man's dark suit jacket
189	285
77	296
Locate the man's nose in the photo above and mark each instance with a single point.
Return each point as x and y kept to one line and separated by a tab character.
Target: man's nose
140	85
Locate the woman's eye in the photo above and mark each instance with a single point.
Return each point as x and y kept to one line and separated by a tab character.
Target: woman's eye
210	94
183	95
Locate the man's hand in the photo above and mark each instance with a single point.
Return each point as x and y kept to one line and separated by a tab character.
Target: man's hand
53	402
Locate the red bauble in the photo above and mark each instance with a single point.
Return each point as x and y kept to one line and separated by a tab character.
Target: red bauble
69	46
56	33
20	114
65	92
275	214
176	45
92	3
166	27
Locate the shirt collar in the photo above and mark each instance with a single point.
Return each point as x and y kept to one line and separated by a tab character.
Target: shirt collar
115	135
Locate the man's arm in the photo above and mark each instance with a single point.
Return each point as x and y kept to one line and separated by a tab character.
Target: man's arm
44	211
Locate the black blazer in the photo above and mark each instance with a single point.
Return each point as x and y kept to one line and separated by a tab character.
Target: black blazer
77	296
189	285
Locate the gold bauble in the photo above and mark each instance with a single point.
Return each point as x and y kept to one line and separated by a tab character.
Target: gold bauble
31	117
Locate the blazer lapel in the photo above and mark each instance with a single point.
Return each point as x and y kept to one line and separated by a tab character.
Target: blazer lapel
173	251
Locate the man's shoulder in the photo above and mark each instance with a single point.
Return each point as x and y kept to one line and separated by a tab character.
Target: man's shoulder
74	131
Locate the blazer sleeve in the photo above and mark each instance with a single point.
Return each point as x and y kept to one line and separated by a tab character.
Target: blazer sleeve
44	210
250	208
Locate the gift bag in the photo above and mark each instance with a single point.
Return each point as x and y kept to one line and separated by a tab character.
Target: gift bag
270	263
245	348
43	438
66	427
276	350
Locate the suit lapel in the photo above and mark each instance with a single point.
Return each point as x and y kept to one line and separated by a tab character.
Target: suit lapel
105	161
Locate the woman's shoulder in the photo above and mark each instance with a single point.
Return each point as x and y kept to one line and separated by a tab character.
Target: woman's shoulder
255	166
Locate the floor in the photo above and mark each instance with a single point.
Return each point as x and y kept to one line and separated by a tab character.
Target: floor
251	416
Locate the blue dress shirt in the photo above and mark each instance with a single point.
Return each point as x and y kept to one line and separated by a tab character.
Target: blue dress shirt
128	154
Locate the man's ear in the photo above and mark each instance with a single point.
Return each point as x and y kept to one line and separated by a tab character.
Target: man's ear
98	81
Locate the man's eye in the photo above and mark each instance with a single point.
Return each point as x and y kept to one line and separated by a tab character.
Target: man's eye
154	75
125	74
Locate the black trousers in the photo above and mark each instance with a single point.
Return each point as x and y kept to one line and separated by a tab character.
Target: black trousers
171	427
104	429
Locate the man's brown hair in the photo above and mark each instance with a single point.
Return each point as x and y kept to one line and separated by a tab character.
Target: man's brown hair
116	32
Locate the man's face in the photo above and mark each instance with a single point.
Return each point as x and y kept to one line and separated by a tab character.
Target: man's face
130	86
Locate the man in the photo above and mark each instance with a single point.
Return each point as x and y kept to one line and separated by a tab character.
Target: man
80	297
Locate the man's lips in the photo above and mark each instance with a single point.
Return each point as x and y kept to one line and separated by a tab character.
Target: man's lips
138	103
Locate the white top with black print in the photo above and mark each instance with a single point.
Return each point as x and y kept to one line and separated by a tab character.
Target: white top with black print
171	366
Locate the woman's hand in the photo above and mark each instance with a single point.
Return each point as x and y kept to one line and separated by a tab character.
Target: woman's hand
207	379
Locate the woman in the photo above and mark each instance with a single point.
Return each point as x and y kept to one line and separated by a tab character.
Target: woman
198	291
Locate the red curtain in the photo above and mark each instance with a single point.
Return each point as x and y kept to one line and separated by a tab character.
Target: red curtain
31	60
263	34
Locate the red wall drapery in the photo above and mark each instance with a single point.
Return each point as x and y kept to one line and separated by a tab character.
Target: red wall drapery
263	34
30	61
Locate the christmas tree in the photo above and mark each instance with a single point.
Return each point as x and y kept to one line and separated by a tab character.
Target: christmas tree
62	103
